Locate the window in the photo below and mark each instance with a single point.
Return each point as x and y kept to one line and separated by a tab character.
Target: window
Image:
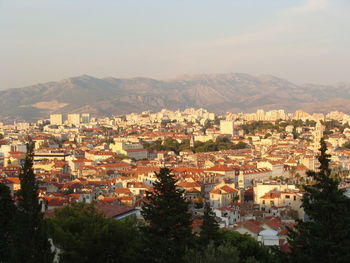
263	202
295	198
287	196
272	202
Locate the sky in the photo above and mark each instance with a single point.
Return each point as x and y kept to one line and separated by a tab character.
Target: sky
304	41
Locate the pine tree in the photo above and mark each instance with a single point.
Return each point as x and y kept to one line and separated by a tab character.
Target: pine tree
209	228
325	237
31	239
168	223
7	213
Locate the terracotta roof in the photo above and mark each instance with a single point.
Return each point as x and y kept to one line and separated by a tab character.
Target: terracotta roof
220	168
112	210
188	184
251	225
11	180
225	189
122	191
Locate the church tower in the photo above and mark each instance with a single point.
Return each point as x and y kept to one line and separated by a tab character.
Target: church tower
192	141
318	134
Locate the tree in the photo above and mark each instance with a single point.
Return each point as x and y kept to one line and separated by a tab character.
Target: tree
168	230
209	228
324	237
7	213
249	249
84	235
346	145
224	253
267	135
30	235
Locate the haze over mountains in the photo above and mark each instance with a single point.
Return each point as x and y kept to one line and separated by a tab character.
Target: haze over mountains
215	92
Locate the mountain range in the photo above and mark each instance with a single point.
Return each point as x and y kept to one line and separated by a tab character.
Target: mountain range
235	92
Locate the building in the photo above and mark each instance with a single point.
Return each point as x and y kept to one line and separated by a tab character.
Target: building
260	115
222	195
85	118
226	127
269	237
74	119
318	134
120	146
56	119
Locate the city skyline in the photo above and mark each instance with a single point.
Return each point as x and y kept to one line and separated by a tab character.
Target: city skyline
174	131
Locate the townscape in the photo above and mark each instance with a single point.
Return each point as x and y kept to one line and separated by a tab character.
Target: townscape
175	131
250	168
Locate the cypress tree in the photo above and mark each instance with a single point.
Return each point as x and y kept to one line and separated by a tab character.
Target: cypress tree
209	228
168	230
325	237
7	213
31	239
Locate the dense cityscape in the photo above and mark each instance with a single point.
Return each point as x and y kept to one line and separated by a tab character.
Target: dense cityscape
250	168
174	131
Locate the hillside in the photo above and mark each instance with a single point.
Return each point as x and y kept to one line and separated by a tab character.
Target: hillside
215	92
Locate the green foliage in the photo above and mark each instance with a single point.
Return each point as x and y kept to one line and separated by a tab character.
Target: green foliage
334	124
208	125
167	145
221	143
217	120
7	214
325	236
209	228
249	249
232	247
257	126
30	235
168	231
121	156
279	126
224	253
267	135
346	145
310	123
85	235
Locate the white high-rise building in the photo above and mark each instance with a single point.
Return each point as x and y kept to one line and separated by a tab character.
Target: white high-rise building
74	118
226	127
56	119
260	114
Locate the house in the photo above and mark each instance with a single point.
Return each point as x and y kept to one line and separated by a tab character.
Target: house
269	237
272	197
222	195
137	154
137	188
226	171
228	215
13	183
115	211
192	189
250	227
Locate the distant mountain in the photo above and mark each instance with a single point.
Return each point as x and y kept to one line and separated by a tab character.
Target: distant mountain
215	92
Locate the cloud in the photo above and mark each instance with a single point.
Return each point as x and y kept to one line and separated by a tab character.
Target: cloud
300	43
310	6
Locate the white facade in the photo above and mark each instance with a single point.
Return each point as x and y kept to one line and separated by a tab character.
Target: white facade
74	118
56	119
226	127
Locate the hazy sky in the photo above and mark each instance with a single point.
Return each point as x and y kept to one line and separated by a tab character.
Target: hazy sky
300	40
